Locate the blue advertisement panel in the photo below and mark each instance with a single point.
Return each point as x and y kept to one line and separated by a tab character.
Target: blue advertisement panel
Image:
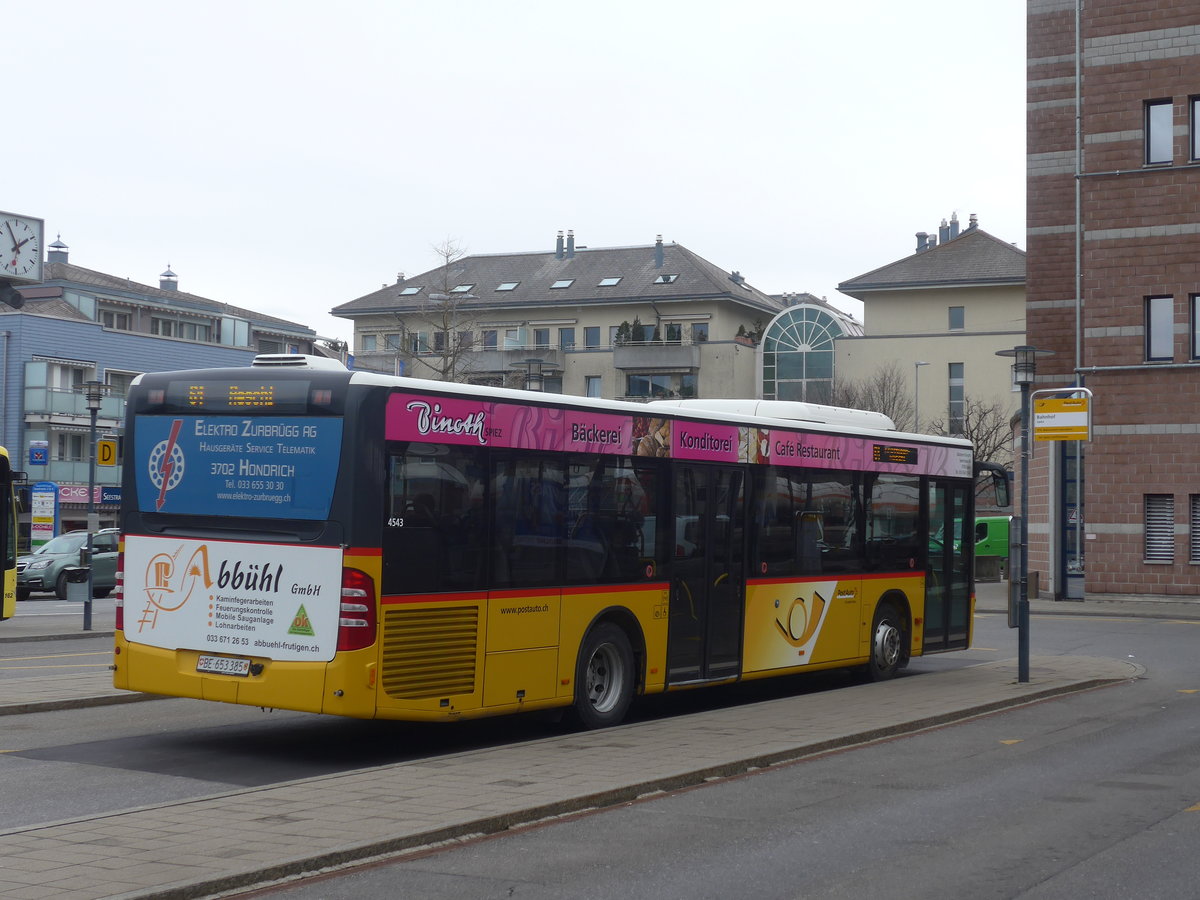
264	466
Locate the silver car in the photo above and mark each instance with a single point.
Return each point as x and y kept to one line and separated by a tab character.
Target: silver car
45	568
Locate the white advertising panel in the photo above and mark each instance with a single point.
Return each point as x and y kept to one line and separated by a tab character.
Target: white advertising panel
280	601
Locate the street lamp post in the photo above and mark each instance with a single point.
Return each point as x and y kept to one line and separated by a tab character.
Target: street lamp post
1024	370
93	393
917	394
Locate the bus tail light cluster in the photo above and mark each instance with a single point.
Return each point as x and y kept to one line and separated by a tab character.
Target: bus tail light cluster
119	592
357	622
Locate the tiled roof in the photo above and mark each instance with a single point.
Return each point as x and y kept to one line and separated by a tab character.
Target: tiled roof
973	258
72	274
534	273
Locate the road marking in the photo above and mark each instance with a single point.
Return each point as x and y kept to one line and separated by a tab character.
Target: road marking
1189	691
1010	742
64	666
1195	808
5	659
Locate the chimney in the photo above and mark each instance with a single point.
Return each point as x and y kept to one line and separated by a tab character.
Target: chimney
558	247
571	243
922	240
399	278
168	280
943	232
658	252
953	225
973	222
736	277
58	251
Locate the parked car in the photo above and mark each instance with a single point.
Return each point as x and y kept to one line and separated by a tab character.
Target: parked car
45	568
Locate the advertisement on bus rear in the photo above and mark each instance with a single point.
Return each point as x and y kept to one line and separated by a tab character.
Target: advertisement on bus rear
277	601
265	466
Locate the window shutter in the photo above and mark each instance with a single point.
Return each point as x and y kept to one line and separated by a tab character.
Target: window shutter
1160	527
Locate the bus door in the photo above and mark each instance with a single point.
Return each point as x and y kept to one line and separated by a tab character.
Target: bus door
708	580
947	581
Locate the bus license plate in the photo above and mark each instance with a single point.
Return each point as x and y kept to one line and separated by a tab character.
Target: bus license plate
223	665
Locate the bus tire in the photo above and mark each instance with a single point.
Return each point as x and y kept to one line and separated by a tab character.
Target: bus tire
887	643
604	677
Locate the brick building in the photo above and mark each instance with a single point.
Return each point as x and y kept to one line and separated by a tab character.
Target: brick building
1113	290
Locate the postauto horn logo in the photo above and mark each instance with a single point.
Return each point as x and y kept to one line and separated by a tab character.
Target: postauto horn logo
166	464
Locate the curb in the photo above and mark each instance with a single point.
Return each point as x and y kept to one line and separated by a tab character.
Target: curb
35	706
65	636
358	854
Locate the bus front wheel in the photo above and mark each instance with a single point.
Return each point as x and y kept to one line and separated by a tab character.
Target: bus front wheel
887	643
604	677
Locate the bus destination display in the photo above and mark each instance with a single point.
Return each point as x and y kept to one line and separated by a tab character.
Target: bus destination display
238	396
890	453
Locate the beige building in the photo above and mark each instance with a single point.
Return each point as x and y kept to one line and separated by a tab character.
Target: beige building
939	316
637	323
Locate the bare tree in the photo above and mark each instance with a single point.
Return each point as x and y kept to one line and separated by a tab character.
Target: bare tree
438	339
986	425
886	390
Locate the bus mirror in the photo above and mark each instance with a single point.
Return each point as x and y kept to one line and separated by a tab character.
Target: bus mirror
999	478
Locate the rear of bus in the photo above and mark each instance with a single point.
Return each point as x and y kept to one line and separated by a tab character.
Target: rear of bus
8	538
243	577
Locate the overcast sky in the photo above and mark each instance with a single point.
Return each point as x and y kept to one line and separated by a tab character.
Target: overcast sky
292	156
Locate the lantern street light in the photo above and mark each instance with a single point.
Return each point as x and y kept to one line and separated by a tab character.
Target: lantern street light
1024	371
93	393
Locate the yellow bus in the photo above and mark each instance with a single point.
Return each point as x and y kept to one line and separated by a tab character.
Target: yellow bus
8	535
296	535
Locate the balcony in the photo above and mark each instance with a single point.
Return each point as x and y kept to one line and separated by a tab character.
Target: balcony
656	355
46	402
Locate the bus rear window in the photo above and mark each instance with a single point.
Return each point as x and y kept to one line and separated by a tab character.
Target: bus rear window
247	466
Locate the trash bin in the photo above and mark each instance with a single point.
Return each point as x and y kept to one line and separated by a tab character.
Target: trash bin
77	583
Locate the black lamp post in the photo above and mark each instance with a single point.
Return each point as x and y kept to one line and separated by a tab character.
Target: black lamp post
93	393
1024	370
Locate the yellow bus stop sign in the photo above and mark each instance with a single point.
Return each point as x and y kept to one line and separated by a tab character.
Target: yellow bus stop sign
106	453
1061	419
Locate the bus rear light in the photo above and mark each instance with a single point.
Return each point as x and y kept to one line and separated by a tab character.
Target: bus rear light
119	593
357	618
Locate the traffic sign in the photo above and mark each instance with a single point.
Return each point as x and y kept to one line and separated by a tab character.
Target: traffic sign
1061	419
106	453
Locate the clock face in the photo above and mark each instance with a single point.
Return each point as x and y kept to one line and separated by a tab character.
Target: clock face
20	247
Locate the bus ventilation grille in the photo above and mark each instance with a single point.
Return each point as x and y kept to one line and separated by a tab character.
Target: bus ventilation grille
429	652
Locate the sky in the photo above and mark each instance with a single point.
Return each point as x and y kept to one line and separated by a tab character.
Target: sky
290	156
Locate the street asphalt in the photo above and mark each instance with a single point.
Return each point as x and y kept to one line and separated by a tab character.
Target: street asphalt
241	839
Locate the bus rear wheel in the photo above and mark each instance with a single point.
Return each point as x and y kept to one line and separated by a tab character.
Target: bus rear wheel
604	677
887	643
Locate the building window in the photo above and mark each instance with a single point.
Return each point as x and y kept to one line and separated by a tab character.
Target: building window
591	385
665	279
1160	328
1194	529
541	338
1160	527
958	318
391	342
118	382
490	338
418	342
591	337
409	291
439	341
660	385
611	281
673	333
461	288
699	332
1159	139
1195	326
116	319
508	286
957	408
368	343
552	384
562	283
566	338
1194	127
70	447
192	331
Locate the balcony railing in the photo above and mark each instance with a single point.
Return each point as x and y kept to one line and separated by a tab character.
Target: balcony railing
62	402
